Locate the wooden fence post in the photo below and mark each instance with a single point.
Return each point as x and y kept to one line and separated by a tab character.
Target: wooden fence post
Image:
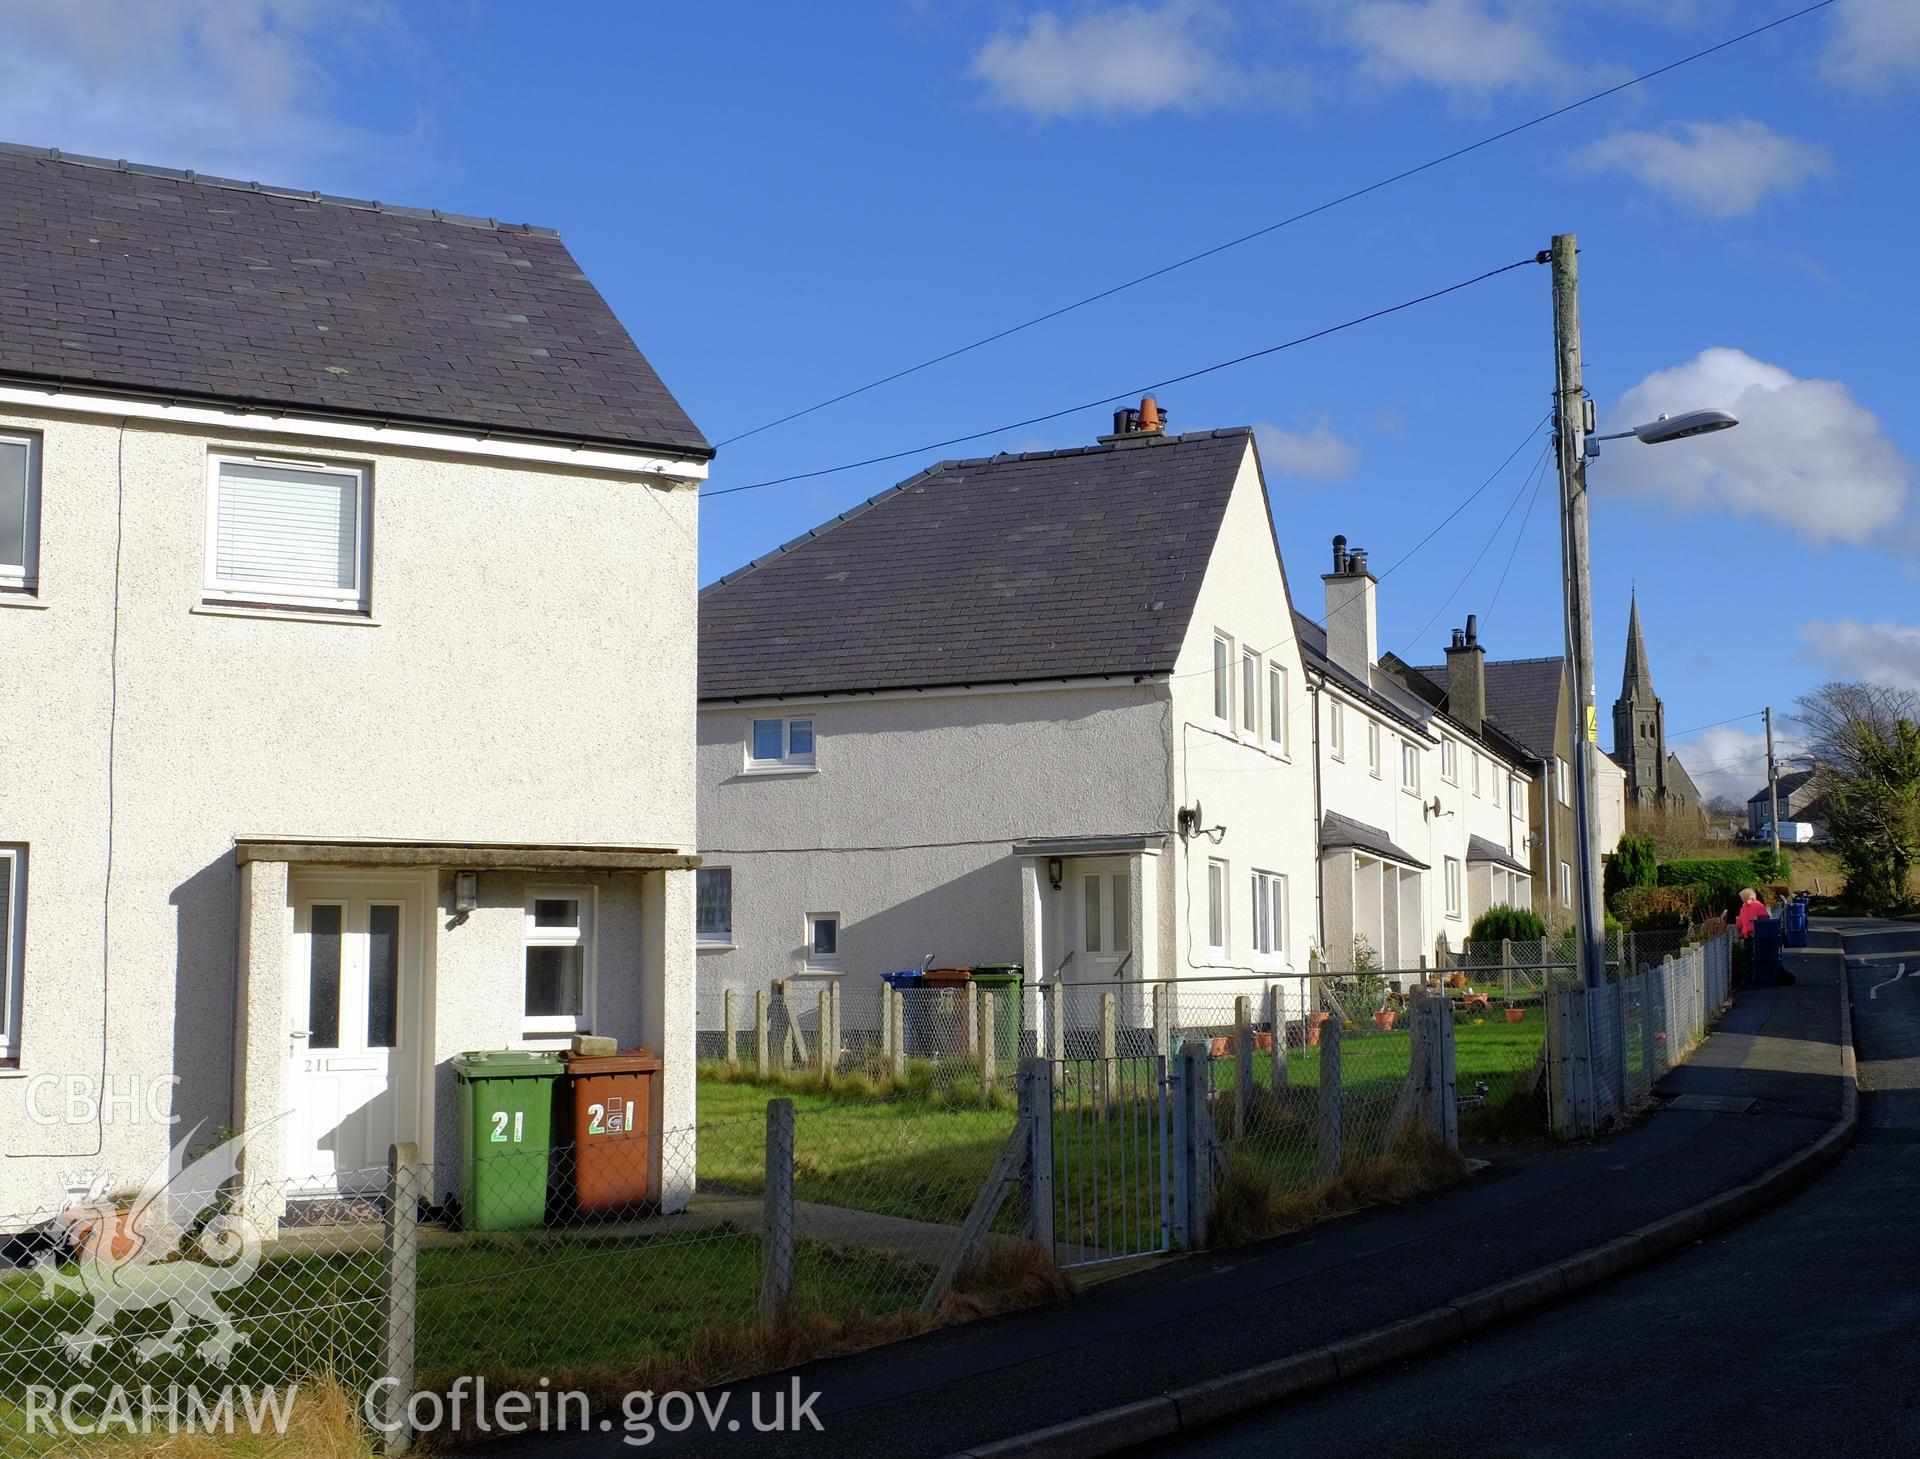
822	1036
399	1290
973	1021
1242	1065
732	1027
1036	1104
776	1225
761	1010
1330	1098
1506	970
1056	1016
1109	1049
985	1038
897	1014
1162	1020
1277	1021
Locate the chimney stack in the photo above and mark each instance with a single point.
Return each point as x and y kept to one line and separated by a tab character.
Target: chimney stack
1134	423
1353	634
1467	676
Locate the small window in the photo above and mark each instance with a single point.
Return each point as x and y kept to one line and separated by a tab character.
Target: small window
1566	885
1373	747
1453	887
1517	794
1476	775
1269	914
13	941
1222	677
1250	694
559	991
1410	767
1277	715
288	534
777	744
1449	761
1563	781
1497	778
1337	729
713	905
823	940
19	513
1217	905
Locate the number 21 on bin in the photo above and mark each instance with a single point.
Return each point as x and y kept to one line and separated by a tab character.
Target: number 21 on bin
604	1121
500	1126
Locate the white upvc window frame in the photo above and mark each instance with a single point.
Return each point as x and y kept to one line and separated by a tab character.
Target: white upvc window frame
1219	905
1222	677
1449	761
1499	774
712	939
1336	729
1279	716
1250	694
1566	884
582	935
1479	761
789	759
1562	781
1409	767
1270	915
354	602
13	948
1373	748
1455	888
24	576
1517	797
822	962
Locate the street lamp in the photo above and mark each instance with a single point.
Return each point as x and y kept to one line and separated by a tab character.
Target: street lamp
1666	428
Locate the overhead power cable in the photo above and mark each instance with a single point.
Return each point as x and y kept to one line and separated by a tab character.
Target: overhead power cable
1133	393
1287	222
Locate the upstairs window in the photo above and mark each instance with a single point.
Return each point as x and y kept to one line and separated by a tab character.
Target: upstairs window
1250	694
1373	747
1476	775
19	513
777	744
1277	715
1217	905
288	534
1337	729
1449	762
1562	781
1222	678
713	905
1410	767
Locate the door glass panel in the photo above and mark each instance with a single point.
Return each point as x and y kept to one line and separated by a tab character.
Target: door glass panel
556	912
383	976
553	982
1090	917
323	978
1122	934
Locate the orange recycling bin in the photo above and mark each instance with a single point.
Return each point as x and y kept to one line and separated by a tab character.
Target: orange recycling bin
608	1129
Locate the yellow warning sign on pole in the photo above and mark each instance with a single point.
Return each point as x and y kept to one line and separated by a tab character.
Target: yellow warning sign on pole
1593	725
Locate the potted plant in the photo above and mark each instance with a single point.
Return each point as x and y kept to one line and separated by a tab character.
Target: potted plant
1516	1014
1383	1018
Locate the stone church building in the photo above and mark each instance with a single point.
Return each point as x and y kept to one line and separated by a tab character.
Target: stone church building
1656	780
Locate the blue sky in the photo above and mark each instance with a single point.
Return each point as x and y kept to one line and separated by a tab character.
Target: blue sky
782	202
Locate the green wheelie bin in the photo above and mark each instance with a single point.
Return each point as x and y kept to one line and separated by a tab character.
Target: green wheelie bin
506	1130
1001	982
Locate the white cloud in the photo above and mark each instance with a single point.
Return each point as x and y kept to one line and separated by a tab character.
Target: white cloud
1806	453
1730	760
221	86
1318	453
1873	44
1468	46
1721	169
1879	653
1121	60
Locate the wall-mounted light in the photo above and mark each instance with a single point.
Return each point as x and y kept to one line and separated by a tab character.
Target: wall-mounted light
1055	869
466	891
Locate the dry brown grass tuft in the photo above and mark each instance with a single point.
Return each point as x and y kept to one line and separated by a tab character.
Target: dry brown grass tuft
325	1424
1251	1206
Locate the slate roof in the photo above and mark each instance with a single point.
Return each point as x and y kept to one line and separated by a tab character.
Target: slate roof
1480	849
1051	564
1421	682
1384	692
1789	783
1338	832
1523	695
147	280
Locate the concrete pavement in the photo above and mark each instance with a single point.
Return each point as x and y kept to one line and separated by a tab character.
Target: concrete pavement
1777	1057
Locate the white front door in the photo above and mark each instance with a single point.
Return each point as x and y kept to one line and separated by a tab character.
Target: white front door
354	1029
1101	917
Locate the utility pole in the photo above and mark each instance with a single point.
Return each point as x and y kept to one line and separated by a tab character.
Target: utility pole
1571	426
1773	786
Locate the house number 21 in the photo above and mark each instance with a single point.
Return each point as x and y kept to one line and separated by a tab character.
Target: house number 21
604	1121
500	1126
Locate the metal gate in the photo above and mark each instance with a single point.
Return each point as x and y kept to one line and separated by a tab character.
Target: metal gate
1113	1159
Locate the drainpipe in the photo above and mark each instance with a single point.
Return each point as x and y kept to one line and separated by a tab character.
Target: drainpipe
1319	862
1547	803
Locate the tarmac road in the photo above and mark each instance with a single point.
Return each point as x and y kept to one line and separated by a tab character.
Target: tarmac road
1795	1334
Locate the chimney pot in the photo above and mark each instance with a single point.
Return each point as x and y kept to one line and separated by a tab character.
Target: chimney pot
1473	628
1339	554
1150	417
1357	560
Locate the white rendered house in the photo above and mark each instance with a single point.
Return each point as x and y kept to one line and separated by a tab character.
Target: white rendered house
347	597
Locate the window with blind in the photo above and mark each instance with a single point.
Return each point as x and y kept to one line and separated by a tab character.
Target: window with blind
288	534
13	906
19	513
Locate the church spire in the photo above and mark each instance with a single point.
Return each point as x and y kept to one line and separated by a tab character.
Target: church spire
1636	680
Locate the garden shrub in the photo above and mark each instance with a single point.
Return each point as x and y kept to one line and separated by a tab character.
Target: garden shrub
1654	909
1717	881
1521	924
1634	864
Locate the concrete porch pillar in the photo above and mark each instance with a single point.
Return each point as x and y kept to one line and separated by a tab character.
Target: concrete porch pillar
265	934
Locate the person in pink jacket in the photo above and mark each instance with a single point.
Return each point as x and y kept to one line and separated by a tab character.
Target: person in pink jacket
1752	909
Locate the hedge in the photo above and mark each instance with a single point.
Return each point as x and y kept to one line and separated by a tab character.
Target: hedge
1521	924
1655	909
